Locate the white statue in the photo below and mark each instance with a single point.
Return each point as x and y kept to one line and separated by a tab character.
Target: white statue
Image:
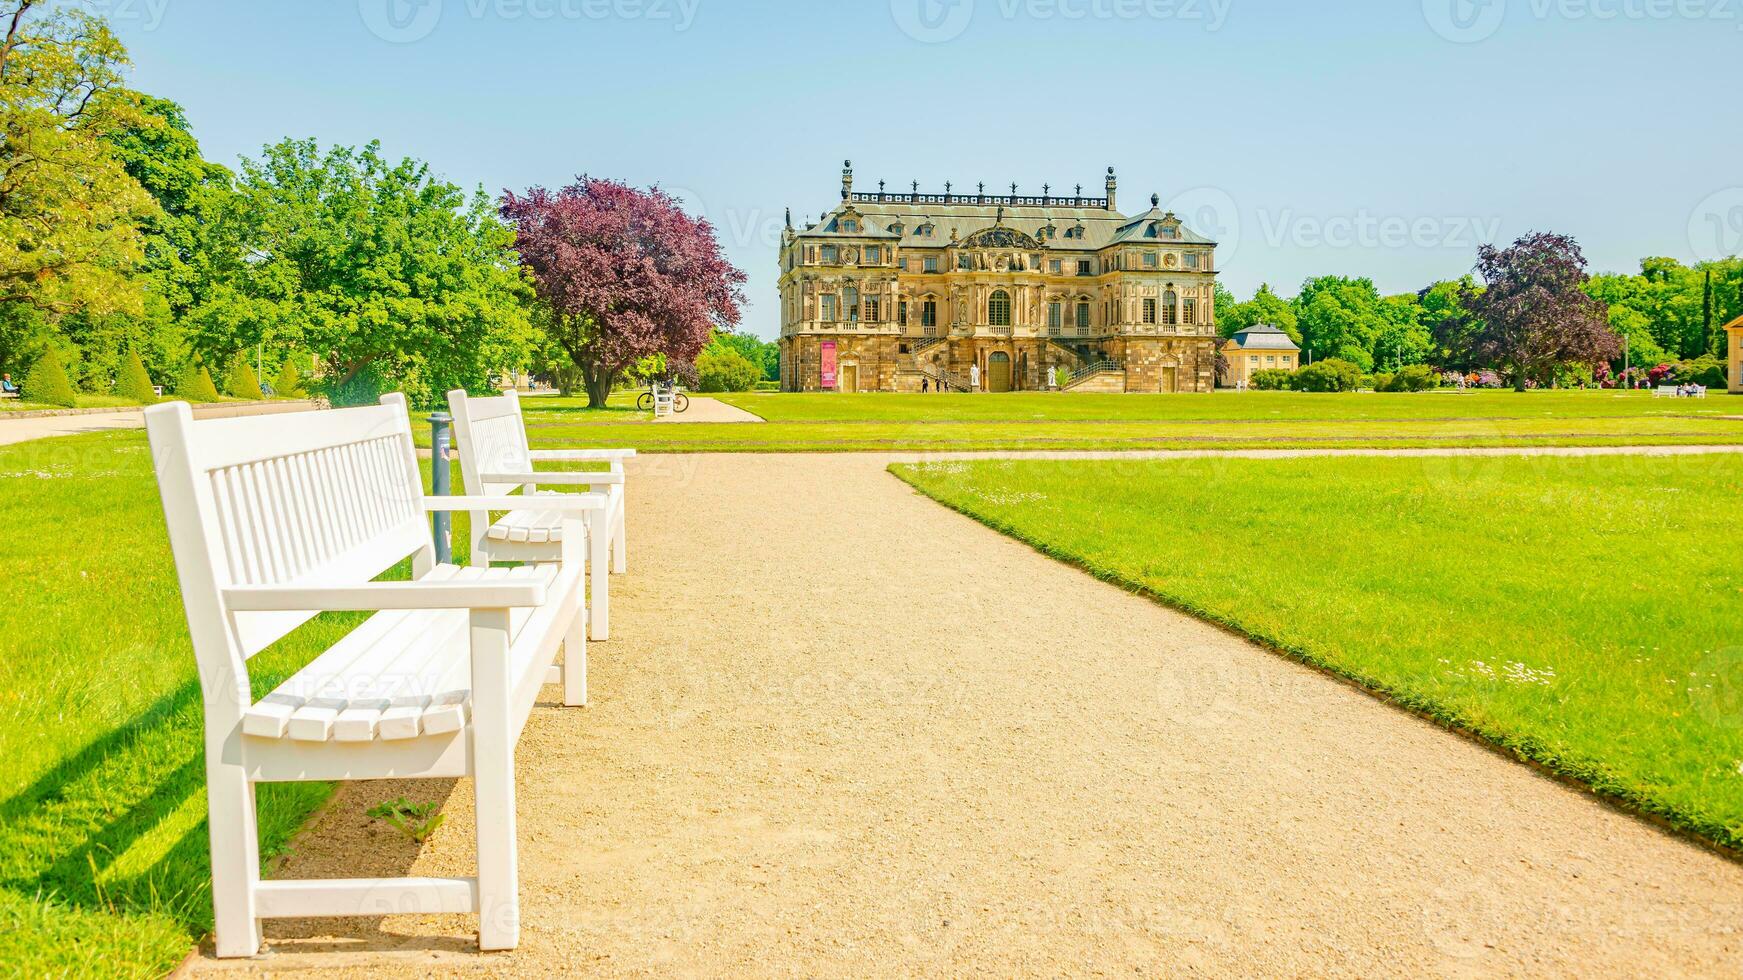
1052	376
974	376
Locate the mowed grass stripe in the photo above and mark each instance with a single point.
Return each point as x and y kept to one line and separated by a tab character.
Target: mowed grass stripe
1584	613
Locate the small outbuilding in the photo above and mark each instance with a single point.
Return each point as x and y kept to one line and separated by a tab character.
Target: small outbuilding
1261	347
1734	374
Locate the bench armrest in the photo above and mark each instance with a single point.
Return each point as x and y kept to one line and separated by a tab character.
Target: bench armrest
581	455
555	501
370	596
556	479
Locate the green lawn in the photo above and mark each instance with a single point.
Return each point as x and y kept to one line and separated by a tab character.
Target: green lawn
1583	613
1266	420
103	862
84	401
1250	406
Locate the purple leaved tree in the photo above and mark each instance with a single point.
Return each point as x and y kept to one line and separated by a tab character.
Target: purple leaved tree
623	273
1533	312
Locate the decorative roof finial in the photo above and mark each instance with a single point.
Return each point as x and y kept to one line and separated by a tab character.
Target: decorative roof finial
1155	200
846	179
1113	185
1013	188
789	219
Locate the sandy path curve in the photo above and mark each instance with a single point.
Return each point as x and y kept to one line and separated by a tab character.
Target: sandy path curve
843	730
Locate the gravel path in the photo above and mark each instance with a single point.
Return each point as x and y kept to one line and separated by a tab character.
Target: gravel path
711	410
841	730
44	426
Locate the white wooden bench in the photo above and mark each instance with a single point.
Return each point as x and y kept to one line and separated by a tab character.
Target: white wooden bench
275	519
1664	391
665	401
496	460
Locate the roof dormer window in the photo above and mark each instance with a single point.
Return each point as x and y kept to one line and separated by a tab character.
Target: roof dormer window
850	226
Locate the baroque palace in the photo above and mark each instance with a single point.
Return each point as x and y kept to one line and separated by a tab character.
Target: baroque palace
974	291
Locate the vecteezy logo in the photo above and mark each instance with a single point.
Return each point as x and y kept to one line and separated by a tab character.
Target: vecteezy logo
1465	21
932	21
1716	226
400	21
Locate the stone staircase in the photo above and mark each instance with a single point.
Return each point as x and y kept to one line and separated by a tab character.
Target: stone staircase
1101	376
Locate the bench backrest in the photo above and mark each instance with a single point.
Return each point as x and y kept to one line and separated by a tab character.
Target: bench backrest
493	439
327	498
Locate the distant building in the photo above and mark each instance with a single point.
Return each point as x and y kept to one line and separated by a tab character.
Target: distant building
892	291
1257	348
1735	374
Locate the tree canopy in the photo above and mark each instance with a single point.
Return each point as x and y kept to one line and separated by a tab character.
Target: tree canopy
624	273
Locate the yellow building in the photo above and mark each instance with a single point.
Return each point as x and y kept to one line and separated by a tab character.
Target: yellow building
1735	374
904	291
1258	348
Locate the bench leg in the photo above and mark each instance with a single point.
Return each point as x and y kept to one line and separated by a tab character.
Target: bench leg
235	859
575	659
599	574
619	558
493	782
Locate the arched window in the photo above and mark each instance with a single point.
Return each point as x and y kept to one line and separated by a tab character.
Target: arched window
1170	307
850	304
998	309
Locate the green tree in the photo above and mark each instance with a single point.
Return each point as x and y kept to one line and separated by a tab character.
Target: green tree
47	383
288	383
133	383
69	212
1404	336
240	381
721	368
1265	307
195	384
1340	317
388	276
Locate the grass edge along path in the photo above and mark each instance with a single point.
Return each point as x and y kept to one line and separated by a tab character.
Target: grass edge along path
1633	792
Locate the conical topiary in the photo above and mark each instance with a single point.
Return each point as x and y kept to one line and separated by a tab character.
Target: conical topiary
241	381
195	384
288	384
134	384
48	384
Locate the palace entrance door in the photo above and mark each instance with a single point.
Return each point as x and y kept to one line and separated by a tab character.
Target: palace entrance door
849	378
998	371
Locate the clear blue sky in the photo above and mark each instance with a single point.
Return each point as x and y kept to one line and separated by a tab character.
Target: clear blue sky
1367	138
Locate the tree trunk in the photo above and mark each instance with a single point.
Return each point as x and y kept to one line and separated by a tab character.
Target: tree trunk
599	385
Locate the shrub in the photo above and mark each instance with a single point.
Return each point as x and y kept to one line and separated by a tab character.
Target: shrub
768	386
1381	381
48	383
241	381
1706	371
288	384
1331	374
134	384
1414	377
195	384
726	370
363	388
1269	379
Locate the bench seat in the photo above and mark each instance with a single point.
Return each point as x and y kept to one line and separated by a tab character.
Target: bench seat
403	673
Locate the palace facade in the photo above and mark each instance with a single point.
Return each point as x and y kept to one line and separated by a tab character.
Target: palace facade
974	291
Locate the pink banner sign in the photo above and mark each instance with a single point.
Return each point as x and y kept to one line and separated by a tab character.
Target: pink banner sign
828	353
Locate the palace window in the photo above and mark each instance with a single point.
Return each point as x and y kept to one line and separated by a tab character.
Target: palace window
1170	307
1192	260
874	255
850	304
924	231
965	262
1191	312
1083	267
1056	266
929	313
873	307
896	229
1149	260
1055	318
828	314
1083	318
998	308
850	226
1149	310
829	255
902	313
931	263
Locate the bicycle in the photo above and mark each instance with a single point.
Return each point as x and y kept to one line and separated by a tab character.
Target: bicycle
680	401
